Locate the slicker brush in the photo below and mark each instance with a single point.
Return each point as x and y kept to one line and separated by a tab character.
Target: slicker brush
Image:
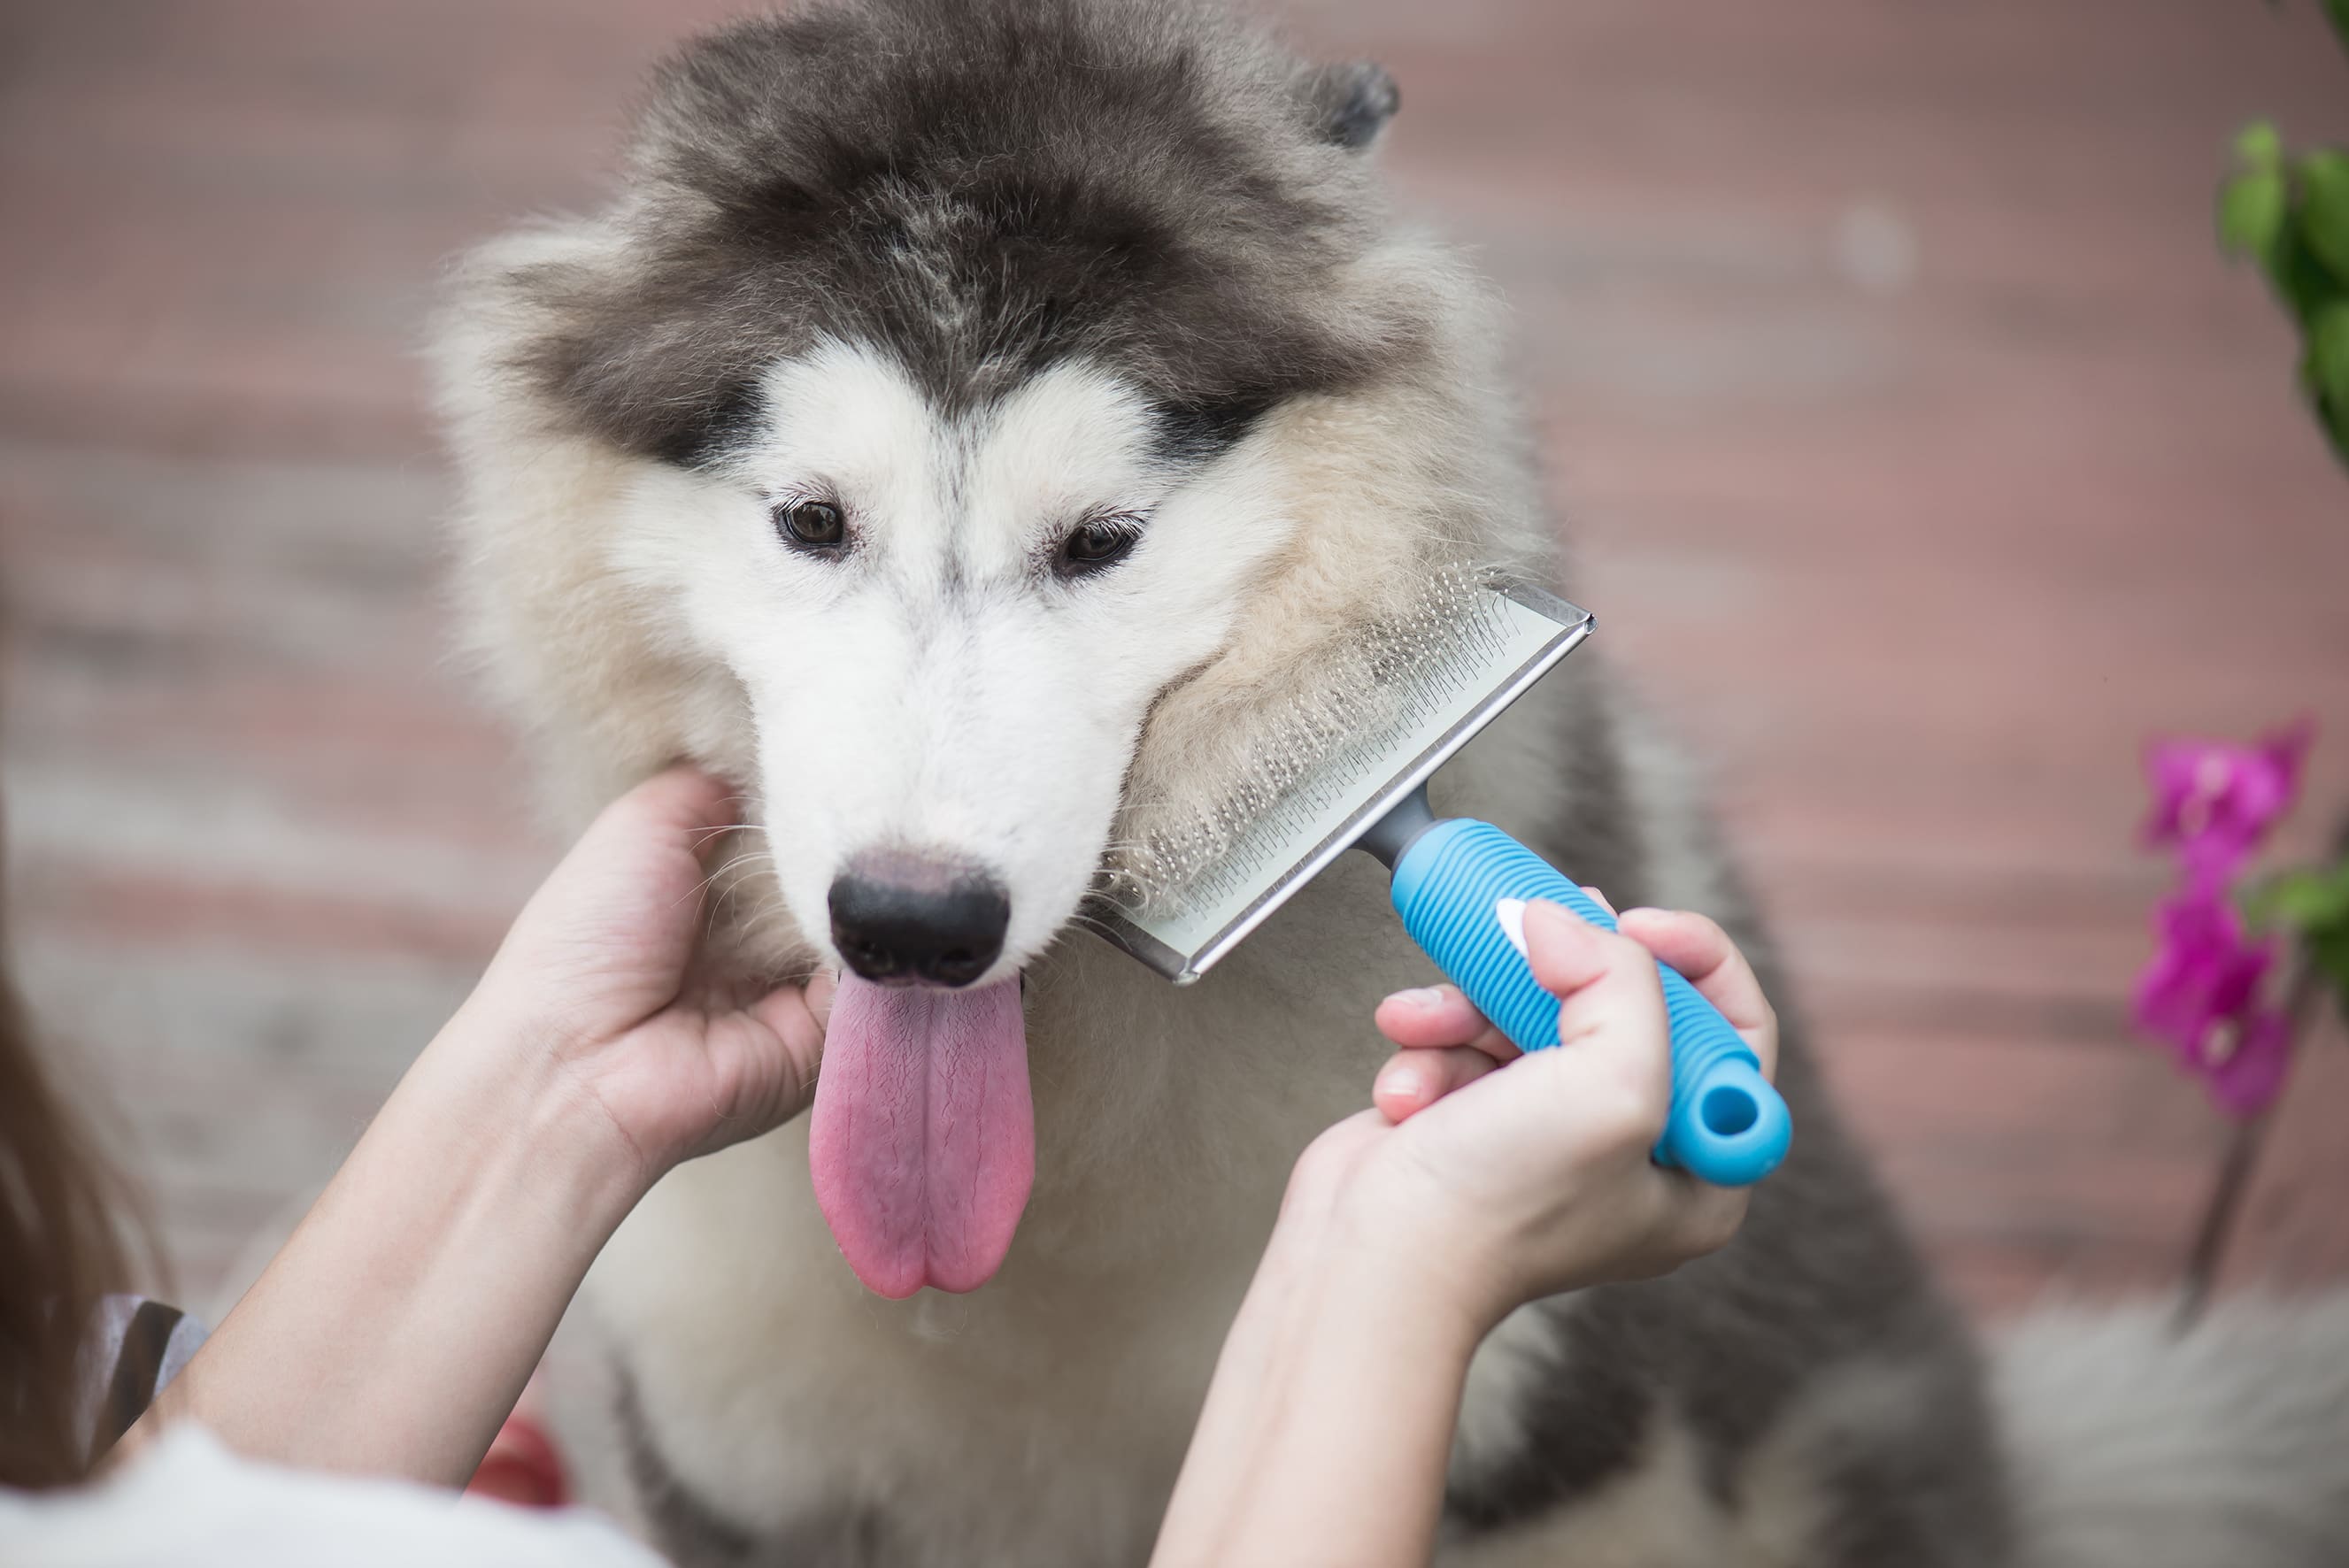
1347	767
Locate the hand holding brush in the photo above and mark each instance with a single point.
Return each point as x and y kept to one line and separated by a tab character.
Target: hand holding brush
1482	1178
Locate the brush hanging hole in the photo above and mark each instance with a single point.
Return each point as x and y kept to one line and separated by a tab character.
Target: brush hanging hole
1728	1112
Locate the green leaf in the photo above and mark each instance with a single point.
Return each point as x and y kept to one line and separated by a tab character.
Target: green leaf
2329	954
2324	208
2299	279
2313	903
2338	12
2252	209
2259	145
2311	899
2334	416
2328	353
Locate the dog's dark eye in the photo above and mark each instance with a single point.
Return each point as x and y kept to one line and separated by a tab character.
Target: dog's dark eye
810	524
1100	541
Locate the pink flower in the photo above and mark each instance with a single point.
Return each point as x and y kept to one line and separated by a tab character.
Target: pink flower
2242	1061
2204	968
2200	995
2216	801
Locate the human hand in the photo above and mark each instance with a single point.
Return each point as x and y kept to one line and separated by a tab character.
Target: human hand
1500	1186
592	978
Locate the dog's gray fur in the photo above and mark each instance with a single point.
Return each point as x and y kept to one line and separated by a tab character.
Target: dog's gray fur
979	190
1170	203
2244	1418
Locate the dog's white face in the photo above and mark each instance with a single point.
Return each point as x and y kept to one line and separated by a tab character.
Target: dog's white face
950	629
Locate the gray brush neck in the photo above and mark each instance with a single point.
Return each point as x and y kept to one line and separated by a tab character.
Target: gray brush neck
1394	834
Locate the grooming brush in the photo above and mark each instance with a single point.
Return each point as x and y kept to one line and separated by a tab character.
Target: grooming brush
1352	771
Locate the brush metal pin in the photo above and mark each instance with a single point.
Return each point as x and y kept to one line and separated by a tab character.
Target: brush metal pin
1461	886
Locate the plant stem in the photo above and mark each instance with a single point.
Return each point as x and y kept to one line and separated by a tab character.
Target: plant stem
2223	1208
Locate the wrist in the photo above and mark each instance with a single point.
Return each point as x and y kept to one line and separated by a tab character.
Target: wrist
1326	1431
505	1088
423	1284
1426	1278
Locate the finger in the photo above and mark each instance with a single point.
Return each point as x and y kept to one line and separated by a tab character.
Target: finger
1701	950
701	809
1598	898
676	805
633	871
1437	1017
791	1037
1610	1002
646	842
1565	951
1569	956
1704	1218
1414	1080
1668	1218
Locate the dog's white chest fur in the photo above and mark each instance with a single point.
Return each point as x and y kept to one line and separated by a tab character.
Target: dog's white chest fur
1030	1417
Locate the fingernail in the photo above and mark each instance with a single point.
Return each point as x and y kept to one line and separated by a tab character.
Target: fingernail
1404	1084
1418	998
1556	916
1599	899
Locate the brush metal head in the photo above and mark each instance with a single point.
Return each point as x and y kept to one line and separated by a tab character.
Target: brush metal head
1346	761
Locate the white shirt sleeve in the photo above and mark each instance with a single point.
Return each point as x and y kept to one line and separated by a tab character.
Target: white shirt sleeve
189	1501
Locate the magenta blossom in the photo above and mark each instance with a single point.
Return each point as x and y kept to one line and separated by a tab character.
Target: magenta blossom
2200	995
2204	968
2242	1061
2216	801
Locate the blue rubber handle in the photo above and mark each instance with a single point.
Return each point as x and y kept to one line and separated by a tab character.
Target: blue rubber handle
1453	887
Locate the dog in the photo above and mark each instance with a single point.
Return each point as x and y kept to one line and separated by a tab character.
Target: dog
966	425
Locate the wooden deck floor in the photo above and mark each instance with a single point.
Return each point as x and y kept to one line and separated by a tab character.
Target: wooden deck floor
1922	456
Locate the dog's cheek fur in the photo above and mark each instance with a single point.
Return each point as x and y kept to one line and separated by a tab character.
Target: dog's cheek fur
582	656
589	660
1384	486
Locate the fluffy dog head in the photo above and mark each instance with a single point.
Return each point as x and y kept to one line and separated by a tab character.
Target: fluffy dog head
962	427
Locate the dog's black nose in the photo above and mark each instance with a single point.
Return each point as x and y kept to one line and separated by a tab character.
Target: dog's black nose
901	917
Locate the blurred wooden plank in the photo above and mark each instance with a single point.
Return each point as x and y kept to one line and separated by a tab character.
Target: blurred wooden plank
2290	1234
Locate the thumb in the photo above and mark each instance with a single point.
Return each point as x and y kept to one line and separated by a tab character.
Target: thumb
1610	998
776	1050
632	878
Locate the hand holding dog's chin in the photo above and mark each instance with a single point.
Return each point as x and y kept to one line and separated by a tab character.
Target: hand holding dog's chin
587	1006
398	1325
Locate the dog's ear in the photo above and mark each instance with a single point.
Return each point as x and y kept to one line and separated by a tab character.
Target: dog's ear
1352	103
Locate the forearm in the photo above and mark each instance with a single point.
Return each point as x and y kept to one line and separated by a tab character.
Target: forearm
395	1330
1329	1422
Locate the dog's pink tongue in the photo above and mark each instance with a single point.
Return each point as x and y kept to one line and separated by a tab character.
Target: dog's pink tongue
923	1141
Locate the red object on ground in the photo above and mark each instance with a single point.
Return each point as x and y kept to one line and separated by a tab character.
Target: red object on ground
522	1467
